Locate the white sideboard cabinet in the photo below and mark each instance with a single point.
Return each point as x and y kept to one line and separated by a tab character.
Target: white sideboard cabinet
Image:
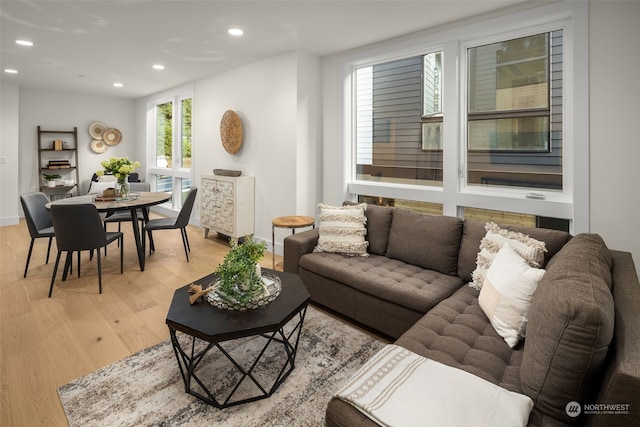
227	205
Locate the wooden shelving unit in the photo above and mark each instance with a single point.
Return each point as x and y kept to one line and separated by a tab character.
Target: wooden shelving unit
58	158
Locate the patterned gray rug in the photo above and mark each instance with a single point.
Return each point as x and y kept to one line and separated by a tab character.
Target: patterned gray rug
146	389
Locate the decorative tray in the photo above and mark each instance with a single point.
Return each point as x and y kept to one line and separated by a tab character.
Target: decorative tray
227	172
271	288
105	198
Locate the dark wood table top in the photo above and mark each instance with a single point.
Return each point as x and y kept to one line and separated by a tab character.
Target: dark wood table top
204	321
145	199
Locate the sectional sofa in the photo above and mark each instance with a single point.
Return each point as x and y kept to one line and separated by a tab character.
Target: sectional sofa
582	339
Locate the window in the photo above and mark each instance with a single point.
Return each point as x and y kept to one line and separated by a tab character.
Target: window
399	121
514	112
487	116
170	122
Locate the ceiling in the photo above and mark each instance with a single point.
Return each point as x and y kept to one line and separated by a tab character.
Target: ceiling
87	45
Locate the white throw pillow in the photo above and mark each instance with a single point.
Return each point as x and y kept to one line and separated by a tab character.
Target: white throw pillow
342	229
530	249
99	187
506	294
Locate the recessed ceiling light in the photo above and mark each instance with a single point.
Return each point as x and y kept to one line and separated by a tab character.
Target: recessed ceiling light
10	71
118	85
236	31
24	42
158	67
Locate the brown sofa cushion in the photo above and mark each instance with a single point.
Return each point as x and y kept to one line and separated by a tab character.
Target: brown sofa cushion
570	327
457	333
388	279
428	241
378	226
474	231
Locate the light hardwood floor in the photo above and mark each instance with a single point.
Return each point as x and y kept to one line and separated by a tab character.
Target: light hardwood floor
47	342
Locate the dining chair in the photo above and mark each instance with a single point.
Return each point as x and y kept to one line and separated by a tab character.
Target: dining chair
180	222
125	216
78	227
38	221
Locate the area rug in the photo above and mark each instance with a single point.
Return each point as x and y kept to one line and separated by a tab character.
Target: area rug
146	388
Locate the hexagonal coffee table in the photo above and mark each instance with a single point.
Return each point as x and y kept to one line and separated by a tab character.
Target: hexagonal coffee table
200	329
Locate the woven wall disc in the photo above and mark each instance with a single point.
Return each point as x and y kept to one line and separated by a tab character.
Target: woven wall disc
96	129
98	146
231	131
112	136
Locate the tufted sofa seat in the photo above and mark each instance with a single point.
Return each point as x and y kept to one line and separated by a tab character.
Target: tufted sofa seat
402	285
583	335
456	333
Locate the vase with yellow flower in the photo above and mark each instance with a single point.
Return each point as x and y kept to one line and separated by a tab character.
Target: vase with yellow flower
120	168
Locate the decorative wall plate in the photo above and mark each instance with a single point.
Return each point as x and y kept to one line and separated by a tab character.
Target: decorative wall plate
112	136
96	129
98	146
231	132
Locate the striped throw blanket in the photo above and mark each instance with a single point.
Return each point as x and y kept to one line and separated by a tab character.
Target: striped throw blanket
398	388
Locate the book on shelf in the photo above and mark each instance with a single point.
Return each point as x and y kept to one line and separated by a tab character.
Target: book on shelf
59	164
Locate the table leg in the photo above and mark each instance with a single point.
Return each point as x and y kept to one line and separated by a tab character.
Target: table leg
136	235
273	247
199	381
145	214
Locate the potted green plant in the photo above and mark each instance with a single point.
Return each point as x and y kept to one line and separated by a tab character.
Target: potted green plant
51	179
240	274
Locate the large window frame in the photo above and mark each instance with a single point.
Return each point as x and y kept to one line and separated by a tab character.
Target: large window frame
572	201
176	172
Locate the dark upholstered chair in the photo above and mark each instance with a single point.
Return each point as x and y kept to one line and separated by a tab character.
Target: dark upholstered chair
79	228
125	216
38	221
180	222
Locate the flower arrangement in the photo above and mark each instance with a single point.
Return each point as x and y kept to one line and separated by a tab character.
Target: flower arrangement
240	277
120	167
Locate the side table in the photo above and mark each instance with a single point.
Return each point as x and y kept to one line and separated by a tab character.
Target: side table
293	222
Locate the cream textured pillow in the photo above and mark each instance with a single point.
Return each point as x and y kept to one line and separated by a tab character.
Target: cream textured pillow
342	229
530	249
506	294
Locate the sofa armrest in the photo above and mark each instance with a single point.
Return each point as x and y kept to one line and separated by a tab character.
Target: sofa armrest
297	245
621	383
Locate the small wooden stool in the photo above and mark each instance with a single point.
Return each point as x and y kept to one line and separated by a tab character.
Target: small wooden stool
292	222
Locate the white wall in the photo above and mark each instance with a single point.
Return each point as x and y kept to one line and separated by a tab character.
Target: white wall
309	135
24	109
281	123
9	169
53	110
615	144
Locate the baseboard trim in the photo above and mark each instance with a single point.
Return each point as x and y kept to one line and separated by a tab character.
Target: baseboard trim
9	220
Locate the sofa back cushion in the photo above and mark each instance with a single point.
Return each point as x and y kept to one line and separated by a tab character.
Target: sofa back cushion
474	231
570	327
378	226
428	241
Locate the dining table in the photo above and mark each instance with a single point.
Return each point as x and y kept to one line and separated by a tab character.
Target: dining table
142	201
